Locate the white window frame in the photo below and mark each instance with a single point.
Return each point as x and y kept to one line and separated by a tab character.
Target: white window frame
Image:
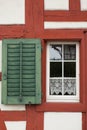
63	98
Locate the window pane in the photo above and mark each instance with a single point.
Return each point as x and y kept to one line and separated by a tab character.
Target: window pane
69	52
55	86
69	86
55	52
55	69
69	69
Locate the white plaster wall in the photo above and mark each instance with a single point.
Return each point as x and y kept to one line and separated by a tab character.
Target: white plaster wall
65	25
56	4
12	11
83	4
15	125
8	107
62	121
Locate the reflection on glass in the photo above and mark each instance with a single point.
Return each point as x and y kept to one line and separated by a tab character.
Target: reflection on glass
69	69
55	52
69	52
55	69
55	86
69	86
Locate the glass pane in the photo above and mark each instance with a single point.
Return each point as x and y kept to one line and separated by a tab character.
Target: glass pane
69	52
55	69
55	52
69	69
69	86
55	86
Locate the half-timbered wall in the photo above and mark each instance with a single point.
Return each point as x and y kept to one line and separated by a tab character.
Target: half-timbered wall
64	20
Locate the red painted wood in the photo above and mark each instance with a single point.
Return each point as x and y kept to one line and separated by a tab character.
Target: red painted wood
34	119
2	124
83	121
86	75
74	5
40	121
43	71
29	20
11	31
30	117
65	16
82	71
68	34
61	107
38	16
13	115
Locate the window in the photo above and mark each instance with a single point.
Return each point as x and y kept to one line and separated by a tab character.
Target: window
62	71
21	71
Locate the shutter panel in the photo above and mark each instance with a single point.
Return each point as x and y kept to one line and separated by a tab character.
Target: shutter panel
21	71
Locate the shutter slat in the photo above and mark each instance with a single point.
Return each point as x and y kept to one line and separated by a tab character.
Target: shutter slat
14	63
12	85
13	80
28	59
32	84
10	76
13	59
13	54
13	46
13	72
29	50
29	46
29	89
29	93
13	93
13	68
13	89
29	54
29	67
28	71
28	76
13	50
28	81
28	63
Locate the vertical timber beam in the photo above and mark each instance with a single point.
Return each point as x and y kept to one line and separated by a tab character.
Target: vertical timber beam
38	14
74	5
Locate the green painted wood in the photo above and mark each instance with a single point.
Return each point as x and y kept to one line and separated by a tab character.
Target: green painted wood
38	73
20	89
4	73
22	67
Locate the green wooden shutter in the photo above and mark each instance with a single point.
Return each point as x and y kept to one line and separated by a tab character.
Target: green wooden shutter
21	71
